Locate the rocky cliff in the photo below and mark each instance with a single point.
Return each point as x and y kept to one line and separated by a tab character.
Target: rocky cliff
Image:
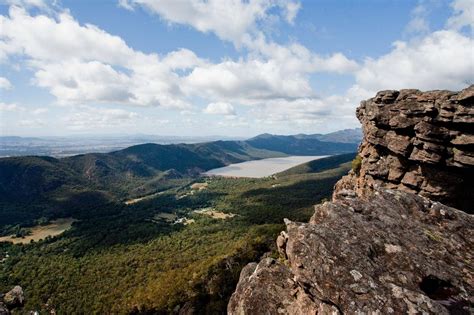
419	142
390	241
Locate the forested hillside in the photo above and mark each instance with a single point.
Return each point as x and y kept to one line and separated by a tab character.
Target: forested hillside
43	187
180	249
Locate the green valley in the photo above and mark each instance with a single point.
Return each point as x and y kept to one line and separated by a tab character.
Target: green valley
165	251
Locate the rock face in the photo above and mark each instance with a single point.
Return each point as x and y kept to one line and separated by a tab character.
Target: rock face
383	245
420	142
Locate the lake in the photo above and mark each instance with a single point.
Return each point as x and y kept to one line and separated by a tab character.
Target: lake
261	168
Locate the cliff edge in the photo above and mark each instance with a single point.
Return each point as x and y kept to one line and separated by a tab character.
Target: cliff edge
390	241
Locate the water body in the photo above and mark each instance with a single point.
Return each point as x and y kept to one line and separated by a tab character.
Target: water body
261	168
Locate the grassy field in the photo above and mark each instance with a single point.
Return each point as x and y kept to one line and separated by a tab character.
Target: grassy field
41	232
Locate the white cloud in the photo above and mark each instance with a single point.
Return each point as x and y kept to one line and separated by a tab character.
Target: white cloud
182	59
297	58
246	81
291	10
32	122
76	82
42	4
87	118
46	39
5	84
229	20
40	111
220	108
440	60
84	64
10	107
464	14
419	20
233	122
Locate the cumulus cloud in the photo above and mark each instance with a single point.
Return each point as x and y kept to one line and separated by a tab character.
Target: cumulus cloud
5	84
220	108
83	64
463	16
440	60
229	20
80	64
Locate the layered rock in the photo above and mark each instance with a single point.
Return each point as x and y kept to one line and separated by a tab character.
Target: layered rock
420	142
383	245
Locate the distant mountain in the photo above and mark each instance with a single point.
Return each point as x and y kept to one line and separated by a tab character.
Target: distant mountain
305	144
341	136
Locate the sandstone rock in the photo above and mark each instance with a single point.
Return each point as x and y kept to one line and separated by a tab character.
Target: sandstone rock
430	132
390	253
419	128
463	157
398	144
463	139
281	243
269	288
375	250
413	178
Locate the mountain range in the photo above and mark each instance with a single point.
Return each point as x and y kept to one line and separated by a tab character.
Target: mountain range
36	186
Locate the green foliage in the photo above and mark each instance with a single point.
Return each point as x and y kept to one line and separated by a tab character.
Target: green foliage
356	164
117	260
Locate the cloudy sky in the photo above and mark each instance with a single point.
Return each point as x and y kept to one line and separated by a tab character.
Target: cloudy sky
218	67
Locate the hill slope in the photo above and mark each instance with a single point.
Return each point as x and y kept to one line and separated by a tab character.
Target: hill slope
32	187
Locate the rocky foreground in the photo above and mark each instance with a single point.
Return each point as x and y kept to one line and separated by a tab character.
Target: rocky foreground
385	244
11	300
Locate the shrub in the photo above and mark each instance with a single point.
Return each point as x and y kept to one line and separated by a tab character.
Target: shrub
356	164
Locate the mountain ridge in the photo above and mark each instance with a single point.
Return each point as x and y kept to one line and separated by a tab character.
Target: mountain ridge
131	172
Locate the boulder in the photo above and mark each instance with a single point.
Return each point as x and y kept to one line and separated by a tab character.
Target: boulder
14	298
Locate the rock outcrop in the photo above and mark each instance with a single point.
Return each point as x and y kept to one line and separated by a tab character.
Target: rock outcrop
385	244
12	299
419	142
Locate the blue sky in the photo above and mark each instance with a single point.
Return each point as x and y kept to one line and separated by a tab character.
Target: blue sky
216	67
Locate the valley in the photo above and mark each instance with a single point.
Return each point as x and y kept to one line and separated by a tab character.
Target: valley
150	221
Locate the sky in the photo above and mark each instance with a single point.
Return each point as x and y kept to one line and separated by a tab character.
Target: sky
220	67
